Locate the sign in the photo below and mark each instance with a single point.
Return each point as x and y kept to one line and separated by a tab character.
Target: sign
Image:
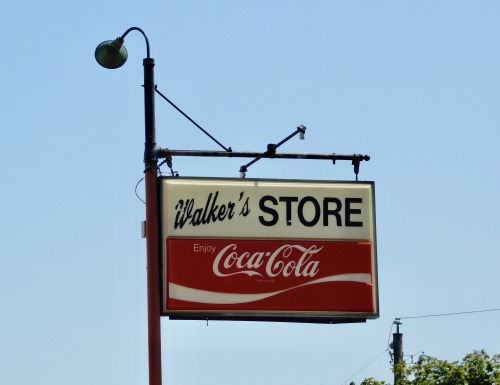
268	250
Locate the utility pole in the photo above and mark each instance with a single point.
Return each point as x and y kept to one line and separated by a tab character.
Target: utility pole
397	346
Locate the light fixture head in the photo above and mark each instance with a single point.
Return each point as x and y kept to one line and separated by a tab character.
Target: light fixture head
111	53
243	172
302	131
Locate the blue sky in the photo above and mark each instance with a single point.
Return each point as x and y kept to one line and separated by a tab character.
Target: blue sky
415	85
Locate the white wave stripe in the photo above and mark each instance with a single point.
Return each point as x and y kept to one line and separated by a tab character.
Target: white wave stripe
184	293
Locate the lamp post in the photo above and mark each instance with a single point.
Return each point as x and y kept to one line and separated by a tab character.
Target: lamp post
112	54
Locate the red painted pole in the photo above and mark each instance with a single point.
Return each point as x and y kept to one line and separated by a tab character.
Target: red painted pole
153	279
152	227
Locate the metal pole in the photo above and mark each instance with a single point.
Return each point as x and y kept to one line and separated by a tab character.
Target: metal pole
152	230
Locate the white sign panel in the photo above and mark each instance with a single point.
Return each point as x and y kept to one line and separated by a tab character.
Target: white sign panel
267	209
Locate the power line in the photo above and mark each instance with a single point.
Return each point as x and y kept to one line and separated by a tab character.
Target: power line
389	338
364	367
450	314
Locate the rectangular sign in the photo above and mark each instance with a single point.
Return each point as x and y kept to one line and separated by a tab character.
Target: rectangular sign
262	249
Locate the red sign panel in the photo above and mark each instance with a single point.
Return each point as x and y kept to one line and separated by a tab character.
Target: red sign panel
268	275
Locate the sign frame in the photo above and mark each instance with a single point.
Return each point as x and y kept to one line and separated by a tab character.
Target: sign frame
290	315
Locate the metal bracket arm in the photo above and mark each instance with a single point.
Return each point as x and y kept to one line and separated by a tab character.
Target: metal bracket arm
356	159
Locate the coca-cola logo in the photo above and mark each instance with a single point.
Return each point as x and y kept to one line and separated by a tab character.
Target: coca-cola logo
285	261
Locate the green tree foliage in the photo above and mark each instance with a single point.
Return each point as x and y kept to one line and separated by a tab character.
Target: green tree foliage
476	368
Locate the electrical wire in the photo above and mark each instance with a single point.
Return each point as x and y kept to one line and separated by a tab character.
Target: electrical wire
136	194
364	367
421	352
389	338
450	314
437	315
168	161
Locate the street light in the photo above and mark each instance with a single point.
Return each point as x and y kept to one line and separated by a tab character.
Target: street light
112	54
